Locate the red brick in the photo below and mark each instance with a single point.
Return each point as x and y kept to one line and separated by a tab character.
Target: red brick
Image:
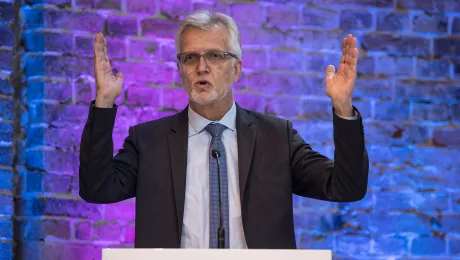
316	109
158	28
247	13
212	7
107	4
141	73
105	230
252	102
355	20
395	44
409	200
126	117
57	228
129	234
59	42
436	68
6	155
145	6
175	98
282	15
396	133
283	107
69	251
72	208
392	111
39	90
57	183
369	3
431	246
449	137
255	59
392	21
286	60
175	9
66	19
122	26
6	109
391	245
319	62
447	47
394	66
373	87
316	40
84	47
435	23
261	36
319	17
145	50
83	230
430	112
85	91
122	211
438	6
143	95
427	90
285	84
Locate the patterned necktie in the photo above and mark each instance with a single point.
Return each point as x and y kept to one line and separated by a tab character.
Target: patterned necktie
216	130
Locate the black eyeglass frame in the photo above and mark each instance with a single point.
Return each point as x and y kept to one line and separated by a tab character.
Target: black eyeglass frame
201	55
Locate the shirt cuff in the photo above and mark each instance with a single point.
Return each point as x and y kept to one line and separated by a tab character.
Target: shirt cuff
347	117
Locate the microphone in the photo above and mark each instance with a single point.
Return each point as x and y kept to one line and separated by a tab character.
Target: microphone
221	231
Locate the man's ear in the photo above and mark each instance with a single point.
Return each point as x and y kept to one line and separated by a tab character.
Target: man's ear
237	69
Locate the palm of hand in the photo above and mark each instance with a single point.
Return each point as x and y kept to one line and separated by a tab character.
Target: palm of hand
340	84
108	85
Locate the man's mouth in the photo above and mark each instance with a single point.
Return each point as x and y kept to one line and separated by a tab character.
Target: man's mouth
203	83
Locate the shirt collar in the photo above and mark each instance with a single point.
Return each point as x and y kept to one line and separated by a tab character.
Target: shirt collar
197	123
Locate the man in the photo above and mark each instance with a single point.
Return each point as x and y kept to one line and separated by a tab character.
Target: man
173	165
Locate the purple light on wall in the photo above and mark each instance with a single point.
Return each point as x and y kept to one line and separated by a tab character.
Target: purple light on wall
407	90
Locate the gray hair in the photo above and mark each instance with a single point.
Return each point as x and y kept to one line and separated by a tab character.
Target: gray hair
205	20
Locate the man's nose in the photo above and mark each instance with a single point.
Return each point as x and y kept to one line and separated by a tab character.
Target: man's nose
202	65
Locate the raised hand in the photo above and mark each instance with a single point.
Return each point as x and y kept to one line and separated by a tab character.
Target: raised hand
108	86
340	84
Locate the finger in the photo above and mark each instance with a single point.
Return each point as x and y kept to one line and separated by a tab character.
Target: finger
353	43
119	76
347	44
354	60
348	57
344	43
99	47
105	50
330	71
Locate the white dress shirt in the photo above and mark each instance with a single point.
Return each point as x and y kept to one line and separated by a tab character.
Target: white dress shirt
195	229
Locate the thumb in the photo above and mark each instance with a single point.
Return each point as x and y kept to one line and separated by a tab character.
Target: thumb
119	76
330	71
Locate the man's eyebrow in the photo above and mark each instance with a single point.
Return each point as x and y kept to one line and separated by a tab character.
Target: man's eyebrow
208	50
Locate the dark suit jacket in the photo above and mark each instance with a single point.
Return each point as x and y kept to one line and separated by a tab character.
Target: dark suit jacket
273	162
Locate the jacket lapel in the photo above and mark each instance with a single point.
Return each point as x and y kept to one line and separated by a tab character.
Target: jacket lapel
178	142
246	136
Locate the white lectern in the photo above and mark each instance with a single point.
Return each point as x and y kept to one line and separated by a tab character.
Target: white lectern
213	254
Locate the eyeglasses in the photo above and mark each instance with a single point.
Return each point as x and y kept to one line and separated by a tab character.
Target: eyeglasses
212	58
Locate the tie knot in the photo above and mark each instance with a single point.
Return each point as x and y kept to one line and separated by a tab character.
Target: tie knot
215	129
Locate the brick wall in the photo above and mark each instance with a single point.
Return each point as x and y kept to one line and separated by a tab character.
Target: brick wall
8	124
408	91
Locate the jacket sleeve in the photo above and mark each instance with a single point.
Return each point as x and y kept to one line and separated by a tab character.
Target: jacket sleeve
104	178
343	179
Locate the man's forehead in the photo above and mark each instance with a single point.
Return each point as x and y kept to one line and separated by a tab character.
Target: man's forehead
195	38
